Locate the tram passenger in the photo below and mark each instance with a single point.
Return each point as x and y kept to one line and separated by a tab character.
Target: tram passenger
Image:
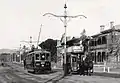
2	62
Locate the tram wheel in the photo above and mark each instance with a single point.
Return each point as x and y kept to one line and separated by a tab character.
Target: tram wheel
28	71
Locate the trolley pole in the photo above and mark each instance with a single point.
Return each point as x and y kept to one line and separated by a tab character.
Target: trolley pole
39	36
65	21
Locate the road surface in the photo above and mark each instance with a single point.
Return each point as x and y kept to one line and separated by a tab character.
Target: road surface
13	73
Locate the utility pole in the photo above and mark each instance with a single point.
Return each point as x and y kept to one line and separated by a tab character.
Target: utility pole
20	53
65	16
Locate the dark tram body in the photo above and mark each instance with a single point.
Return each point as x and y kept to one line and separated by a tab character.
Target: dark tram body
79	59
76	64
38	61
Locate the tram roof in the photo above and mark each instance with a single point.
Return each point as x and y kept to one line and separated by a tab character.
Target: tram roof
77	40
40	51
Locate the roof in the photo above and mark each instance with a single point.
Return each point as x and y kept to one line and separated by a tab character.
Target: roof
110	30
77	40
106	31
96	35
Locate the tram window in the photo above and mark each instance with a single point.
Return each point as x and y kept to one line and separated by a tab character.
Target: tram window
47	56
43	56
73	59
37	56
30	56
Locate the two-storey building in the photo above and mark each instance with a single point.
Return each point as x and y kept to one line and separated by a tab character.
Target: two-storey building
104	45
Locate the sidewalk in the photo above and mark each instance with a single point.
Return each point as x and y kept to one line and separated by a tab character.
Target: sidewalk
107	69
112	72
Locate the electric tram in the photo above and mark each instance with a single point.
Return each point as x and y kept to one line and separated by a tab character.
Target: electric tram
78	58
38	61
80	62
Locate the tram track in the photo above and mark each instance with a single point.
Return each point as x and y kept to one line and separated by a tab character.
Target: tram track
7	75
54	79
13	75
40	78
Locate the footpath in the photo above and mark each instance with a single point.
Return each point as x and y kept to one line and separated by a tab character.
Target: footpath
101	70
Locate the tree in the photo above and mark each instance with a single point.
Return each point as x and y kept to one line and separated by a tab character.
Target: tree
32	48
50	45
84	39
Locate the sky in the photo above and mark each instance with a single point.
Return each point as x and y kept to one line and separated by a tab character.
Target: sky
20	19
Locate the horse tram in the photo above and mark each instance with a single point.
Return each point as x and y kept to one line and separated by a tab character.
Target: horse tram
78	59
38	61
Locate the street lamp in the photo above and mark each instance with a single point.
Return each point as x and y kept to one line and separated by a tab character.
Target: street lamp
65	16
29	42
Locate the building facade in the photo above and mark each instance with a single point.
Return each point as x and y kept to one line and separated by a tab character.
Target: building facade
104	46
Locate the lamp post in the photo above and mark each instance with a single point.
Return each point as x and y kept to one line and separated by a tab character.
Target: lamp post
29	42
20	53
65	16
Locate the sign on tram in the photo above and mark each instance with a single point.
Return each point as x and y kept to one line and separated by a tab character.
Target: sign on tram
77	48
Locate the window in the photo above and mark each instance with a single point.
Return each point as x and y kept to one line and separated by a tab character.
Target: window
30	56
103	56
95	42
89	43
104	40
99	41
37	56
74	59
43	56
99	57
92	42
47	56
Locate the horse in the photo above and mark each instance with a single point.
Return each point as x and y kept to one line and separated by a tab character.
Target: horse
86	66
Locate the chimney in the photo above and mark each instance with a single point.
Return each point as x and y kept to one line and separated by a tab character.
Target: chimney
102	28
111	24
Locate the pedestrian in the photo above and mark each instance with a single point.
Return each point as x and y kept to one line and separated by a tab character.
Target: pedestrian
83	65
25	63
